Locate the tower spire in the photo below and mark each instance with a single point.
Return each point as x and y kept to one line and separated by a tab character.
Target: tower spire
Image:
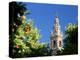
56	37
56	25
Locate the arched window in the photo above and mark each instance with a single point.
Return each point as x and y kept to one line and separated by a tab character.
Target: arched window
54	43
59	43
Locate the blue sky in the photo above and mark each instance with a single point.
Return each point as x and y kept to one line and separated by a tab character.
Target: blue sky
43	16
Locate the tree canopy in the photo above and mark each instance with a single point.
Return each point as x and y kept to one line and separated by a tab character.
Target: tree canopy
71	40
23	35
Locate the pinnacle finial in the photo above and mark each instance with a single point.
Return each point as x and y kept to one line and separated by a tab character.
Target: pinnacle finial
56	16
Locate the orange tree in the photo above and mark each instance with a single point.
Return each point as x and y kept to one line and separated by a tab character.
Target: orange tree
26	41
23	36
15	10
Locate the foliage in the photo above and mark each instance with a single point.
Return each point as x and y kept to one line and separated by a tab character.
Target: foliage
71	40
23	36
16	12
26	41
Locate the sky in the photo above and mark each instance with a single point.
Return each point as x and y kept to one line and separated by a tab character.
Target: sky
43	16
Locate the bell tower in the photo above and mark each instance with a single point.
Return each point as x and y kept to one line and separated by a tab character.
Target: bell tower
56	37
